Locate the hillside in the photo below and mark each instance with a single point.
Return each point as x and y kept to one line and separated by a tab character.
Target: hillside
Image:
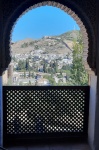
70	35
49	44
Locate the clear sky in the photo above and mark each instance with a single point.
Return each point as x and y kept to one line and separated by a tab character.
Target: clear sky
43	21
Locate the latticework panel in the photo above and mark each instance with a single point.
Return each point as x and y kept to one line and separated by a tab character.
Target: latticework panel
31	110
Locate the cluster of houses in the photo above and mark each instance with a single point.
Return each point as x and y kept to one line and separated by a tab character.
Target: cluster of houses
11	77
14	77
36	57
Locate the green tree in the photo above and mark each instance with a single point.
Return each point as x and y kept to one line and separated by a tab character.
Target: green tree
27	64
33	75
29	73
45	66
14	59
49	70
24	74
79	75
24	45
21	65
51	79
29	82
55	66
68	55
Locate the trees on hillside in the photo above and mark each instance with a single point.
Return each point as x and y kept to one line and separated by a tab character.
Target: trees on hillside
75	72
23	65
27	66
79	75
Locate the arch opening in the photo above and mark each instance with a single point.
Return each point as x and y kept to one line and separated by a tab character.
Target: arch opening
82	29
69	12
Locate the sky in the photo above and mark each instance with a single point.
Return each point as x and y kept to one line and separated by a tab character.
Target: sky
43	21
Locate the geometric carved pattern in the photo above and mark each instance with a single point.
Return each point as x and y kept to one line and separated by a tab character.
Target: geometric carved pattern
32	110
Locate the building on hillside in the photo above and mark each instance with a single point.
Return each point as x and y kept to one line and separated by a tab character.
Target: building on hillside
38	76
42	82
26	81
16	76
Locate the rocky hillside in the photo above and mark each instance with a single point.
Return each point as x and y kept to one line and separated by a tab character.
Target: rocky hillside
49	44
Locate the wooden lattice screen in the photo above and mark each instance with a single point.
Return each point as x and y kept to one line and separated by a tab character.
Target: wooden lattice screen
37	112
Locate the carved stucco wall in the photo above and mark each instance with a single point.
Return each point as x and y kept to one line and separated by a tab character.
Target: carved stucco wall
84	12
